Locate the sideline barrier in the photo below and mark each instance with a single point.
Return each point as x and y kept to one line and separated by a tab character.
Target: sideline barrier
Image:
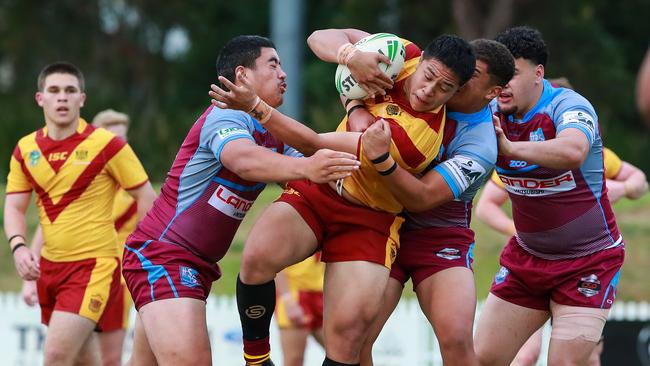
407	338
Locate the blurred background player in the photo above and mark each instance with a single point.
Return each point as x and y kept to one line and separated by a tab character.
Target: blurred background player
75	170
125	216
299	311
623	180
643	88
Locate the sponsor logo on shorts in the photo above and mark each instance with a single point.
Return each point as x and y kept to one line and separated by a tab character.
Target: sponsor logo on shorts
393	254
255	311
524	186
501	275
34	157
289	190
95	304
449	254
230	203
189	276
589	286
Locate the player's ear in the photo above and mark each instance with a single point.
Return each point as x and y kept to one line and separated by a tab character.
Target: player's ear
83	99
39	98
494	92
239	72
539	73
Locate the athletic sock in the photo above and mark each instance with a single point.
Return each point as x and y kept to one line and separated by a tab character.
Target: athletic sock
329	362
256	304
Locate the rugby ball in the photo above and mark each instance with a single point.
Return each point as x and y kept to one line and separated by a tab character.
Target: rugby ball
385	43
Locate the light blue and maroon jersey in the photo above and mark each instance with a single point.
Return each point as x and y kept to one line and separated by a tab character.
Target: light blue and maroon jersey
559	213
466	158
202	203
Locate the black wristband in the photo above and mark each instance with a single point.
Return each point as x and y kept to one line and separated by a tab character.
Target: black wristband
347	101
355	107
14	237
389	170
381	158
13	250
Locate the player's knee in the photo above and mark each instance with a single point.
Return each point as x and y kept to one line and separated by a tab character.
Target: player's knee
458	345
526	358
256	268
57	356
296	359
111	359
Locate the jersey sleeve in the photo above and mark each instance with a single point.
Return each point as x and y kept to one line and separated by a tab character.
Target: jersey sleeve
613	163
472	160
223	126
290	151
17	181
126	168
574	111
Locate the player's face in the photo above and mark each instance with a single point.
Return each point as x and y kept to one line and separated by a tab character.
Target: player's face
61	99
476	91
268	78
519	95
431	85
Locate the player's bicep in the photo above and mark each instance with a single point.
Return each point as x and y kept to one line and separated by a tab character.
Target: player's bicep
17	202
235	154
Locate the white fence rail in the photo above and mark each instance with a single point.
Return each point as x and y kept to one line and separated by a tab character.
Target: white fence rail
407	338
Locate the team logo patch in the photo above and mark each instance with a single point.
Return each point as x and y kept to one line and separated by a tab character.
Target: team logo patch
589	286
95	304
537	135
227	132
581	119
81	154
465	170
189	276
449	254
34	157
229	203
255	311
392	109
501	275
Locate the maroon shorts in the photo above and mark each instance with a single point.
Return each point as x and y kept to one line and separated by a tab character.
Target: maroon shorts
426	252
156	270
345	231
311	303
89	287
532	282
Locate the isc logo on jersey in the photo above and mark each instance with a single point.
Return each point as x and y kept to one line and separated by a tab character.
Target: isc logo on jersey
524	186
230	203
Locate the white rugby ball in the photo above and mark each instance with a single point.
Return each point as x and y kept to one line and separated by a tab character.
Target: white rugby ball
387	44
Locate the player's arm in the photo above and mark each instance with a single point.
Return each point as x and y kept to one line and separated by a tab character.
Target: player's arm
29	292
144	196
568	150
633	180
336	46
291	132
15	226
489	209
256	163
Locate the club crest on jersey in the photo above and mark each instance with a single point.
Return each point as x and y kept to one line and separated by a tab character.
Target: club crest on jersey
229	203
589	286
81	154
392	109
188	276
537	135
34	157
501	275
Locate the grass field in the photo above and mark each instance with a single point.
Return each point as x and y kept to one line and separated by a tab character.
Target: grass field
633	220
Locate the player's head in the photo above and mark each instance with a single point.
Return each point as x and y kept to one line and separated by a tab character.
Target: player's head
494	68
61	93
530	53
254	57
116	122
446	64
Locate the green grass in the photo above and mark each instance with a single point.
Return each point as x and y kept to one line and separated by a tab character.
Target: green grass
633	220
